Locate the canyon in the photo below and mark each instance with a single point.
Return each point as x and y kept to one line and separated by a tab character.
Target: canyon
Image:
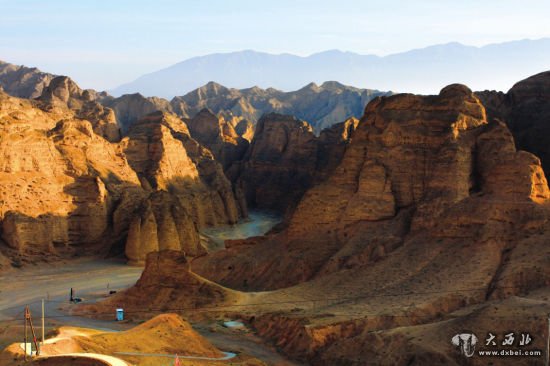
423	217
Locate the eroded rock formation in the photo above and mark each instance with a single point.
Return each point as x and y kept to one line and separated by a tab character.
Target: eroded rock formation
431	211
322	105
193	189
68	185
285	158
162	270
526	111
130	108
23	82
219	136
63	96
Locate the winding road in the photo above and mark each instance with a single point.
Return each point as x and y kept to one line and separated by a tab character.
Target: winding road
92	279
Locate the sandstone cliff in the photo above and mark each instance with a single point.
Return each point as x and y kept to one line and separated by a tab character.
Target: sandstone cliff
63	96
23	82
68	186
219	136
322	105
130	108
412	159
285	158
432	223
188	185
526	111
60	179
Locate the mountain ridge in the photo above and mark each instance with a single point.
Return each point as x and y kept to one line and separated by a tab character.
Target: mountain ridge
424	70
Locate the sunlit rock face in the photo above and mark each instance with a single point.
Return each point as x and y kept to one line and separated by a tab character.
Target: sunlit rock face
430	198
189	189
430	166
69	184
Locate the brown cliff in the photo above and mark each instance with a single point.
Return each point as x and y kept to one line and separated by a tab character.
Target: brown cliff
66	189
280	163
431	212
321	105
411	160
285	159
22	81
63	96
526	111
130	108
219	136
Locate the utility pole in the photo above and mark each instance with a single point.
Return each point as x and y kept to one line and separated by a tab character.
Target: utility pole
26	310
28	320
42	324
548	342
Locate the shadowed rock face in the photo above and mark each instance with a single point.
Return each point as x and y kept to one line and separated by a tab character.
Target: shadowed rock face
322	106
285	158
526	111
279	164
219	135
412	164
130	108
23	82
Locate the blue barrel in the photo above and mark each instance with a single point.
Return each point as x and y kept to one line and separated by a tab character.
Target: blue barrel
119	314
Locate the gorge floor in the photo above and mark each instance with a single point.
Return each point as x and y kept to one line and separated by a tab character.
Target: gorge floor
93	279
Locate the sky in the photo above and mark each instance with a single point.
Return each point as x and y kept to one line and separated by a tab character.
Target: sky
104	43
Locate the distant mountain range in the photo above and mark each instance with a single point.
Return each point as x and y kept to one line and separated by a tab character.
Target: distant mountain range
426	71
320	105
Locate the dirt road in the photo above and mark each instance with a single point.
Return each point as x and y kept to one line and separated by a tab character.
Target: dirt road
91	280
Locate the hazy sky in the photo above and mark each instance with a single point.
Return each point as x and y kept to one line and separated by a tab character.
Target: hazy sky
104	43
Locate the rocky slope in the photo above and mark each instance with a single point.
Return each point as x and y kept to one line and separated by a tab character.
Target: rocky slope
130	108
322	105
63	96
162	271
285	158
432	215
220	136
23	82
70	185
526	111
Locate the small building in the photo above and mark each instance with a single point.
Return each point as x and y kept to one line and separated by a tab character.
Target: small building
119	314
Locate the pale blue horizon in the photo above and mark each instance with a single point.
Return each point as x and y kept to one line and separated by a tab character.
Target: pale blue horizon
104	44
